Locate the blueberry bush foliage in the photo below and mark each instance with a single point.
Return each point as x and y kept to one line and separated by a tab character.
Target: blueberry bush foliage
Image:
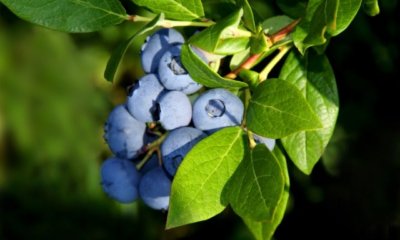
276	66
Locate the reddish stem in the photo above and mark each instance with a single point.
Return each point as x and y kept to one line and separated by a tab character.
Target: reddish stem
249	63
252	60
276	37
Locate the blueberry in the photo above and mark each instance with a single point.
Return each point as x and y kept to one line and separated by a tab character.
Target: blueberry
156	45
217	108
141	102
173	75
269	142
150	164
175	110
155	188
177	144
124	134
120	179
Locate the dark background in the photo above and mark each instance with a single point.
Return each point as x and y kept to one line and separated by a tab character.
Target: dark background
54	100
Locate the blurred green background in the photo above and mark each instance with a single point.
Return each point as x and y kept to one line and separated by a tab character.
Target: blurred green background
54	101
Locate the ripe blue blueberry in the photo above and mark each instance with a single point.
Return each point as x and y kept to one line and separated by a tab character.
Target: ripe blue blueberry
141	102
217	108
120	179
173	75
175	110
177	144
269	142
124	134
156	45
155	188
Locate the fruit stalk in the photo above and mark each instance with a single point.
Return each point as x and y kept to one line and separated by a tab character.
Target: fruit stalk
264	73
171	23
248	64
151	148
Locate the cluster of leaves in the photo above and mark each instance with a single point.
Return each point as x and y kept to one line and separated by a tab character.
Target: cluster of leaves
299	107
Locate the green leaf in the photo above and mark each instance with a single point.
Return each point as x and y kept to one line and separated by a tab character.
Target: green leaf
278	109
371	7
313	76
202	73
200	179
257	186
276	23
239	58
225	37
265	230
320	15
323	19
117	55
293	8
248	16
347	10
69	15
175	9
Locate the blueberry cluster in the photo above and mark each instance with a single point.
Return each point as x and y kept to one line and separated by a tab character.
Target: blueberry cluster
159	103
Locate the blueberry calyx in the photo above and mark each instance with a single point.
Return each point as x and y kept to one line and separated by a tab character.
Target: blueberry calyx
215	108
176	66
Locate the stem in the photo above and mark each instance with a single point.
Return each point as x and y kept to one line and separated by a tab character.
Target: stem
247	97
151	148
248	64
252	143
171	23
157	142
281	34
253	59
264	73
145	159
137	18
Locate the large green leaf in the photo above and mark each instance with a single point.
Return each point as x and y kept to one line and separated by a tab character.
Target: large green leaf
225	37
323	19
175	9
69	15
203	74
278	109
200	179
265	230
257	186
118	54
314	77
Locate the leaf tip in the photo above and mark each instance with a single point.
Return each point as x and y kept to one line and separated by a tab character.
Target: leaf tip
305	169
173	221
108	75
